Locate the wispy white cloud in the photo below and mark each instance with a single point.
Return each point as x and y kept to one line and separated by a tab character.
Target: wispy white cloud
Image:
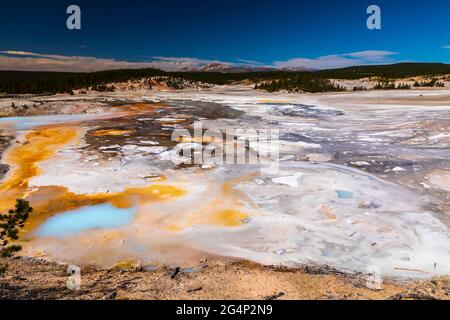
370	54
339	60
446	47
31	61
22	60
19	53
249	62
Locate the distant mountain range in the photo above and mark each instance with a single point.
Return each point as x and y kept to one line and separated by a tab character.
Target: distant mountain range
389	70
230	68
396	70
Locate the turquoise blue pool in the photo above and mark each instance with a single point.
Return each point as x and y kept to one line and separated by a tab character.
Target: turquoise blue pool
104	216
342	194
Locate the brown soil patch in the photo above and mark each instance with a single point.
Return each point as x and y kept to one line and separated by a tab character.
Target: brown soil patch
37	279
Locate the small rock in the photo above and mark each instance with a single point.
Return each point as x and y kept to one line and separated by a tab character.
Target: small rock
360	163
259	182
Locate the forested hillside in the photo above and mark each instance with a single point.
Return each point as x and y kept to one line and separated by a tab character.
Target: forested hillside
23	82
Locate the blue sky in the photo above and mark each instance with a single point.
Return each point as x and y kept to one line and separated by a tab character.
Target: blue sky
176	34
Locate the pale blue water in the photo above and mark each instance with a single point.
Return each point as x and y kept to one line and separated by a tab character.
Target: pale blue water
25	123
103	216
342	194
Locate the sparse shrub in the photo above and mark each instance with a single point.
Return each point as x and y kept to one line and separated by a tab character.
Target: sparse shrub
384	85
403	86
429	84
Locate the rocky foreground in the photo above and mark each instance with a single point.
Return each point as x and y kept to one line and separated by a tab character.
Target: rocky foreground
38	279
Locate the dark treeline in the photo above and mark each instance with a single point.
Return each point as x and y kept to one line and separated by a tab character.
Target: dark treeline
399	70
23	82
388	85
300	82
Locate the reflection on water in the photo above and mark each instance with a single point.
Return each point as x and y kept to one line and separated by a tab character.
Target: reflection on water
70	223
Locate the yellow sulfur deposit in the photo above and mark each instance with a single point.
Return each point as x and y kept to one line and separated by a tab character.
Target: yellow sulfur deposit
228	218
112	132
40	144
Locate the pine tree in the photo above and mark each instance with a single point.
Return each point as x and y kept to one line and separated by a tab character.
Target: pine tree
9	224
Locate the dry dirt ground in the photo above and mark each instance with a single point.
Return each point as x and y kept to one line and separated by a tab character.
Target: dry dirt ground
27	278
